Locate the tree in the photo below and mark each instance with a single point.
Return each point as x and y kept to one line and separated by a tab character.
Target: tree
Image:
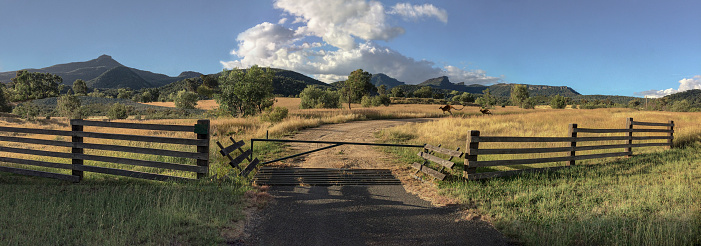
487	100
463	98
314	97
356	86
79	87
397	92
519	95
424	92
209	81
119	111
246	92
4	103
124	93
191	84
382	90
27	85
186	99
558	102
69	106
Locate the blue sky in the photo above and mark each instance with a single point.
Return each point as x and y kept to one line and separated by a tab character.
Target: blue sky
626	47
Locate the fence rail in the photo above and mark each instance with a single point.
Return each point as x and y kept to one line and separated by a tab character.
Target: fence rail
78	146
474	139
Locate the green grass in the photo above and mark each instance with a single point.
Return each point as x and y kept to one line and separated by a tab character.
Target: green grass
125	211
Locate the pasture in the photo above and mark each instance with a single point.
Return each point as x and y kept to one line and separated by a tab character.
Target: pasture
652	198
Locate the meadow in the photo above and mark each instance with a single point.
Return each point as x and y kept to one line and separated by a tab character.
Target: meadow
652	198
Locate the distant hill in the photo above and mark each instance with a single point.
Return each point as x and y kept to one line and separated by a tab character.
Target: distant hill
499	90
691	96
382	79
92	69
119	77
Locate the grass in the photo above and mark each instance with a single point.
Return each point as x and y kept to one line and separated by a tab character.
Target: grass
653	198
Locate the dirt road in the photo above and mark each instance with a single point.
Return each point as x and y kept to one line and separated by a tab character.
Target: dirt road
363	215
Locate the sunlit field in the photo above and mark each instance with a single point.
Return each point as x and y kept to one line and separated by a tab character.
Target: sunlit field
652	198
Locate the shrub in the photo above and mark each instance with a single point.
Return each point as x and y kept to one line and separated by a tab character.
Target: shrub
69	106
26	110
558	102
276	114
119	111
186	99
366	101
314	97
381	100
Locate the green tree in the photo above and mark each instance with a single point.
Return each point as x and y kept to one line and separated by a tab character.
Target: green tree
79	87
69	106
463	98
209	81
558	102
26	110
382	89
314	97
124	93
356	86
186	99
4	103
246	92
519	95
191	84
397	92
34	85
424	92
119	111
487	100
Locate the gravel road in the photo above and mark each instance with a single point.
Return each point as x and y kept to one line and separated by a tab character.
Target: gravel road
362	215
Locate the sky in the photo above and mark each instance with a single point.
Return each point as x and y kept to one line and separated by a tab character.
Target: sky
607	47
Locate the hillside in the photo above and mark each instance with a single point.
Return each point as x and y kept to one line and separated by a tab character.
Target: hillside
92	69
119	77
691	96
382	79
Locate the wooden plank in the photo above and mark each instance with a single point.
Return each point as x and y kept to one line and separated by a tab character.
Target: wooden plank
235	146
652	137
185	141
549	150
591	130
449	152
252	165
173	128
478	176
202	131
143	163
430	172
650	123
149	151
649	145
475	139
40	174
543	160
36	141
236	161
427	156
127	173
35	131
36	163
36	152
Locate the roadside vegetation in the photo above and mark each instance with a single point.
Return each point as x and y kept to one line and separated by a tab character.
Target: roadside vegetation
652	198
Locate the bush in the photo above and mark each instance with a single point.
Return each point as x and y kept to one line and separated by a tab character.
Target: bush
366	101
26	110
314	97
119	111
186	99
69	106
381	100
277	114
558	102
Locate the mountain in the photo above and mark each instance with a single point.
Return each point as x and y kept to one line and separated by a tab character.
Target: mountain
382	79
443	83
92	69
119	77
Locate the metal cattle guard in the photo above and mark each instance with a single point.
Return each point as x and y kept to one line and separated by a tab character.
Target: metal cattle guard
333	144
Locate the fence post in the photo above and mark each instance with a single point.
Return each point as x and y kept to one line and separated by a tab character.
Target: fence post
670	141
471	154
629	123
573	144
202	131
75	127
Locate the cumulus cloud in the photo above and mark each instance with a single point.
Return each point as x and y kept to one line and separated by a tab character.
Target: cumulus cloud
347	31
684	85
417	12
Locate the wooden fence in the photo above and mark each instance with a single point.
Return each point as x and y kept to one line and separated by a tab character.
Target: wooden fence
78	145
474	151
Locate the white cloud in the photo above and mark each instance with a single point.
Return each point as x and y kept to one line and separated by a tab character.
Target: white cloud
684	85
417	12
347	30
